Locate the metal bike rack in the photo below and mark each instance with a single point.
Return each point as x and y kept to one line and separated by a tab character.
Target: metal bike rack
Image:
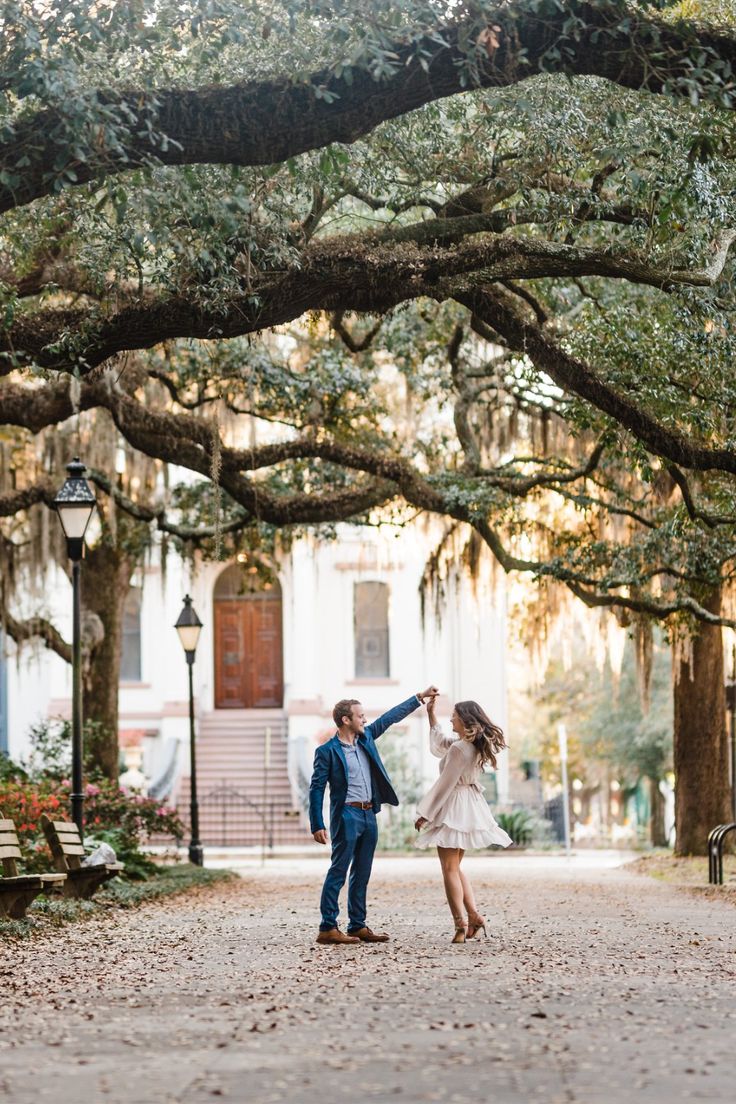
716	840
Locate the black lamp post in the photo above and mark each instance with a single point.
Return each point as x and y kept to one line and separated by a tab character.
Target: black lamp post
189	627
74	504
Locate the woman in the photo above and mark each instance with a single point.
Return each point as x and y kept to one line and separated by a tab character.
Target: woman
454	815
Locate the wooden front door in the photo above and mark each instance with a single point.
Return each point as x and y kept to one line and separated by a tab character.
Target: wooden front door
248	653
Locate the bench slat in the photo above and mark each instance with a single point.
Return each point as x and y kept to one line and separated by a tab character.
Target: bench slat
68	850
6	825
96	868
9	837
10	851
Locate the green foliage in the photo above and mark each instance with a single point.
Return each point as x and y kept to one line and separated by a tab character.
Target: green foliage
9	770
112	814
520	824
581	164
607	726
50	757
397	828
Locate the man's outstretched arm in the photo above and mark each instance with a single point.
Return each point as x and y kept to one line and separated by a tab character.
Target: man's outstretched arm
398	712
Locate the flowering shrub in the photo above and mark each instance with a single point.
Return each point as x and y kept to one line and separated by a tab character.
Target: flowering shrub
125	819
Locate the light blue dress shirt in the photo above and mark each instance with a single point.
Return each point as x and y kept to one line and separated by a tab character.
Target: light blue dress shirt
360	787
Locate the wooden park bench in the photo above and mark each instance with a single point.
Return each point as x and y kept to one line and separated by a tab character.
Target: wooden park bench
17	891
67	850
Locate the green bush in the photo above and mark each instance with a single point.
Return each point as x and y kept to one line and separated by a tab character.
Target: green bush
521	825
397	822
51	750
10	770
112	815
124	820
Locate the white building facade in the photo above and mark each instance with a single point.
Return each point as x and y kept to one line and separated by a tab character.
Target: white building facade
283	640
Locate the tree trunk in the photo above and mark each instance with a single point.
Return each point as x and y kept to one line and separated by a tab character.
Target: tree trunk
702	791
657	832
106	574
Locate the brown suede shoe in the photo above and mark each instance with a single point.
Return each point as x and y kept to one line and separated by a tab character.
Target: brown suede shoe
365	935
334	935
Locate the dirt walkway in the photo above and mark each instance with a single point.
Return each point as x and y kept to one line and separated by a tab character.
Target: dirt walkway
596	986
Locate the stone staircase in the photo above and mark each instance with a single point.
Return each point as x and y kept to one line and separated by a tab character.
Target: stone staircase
241	804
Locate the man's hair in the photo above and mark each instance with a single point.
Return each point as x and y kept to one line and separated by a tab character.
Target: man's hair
344	708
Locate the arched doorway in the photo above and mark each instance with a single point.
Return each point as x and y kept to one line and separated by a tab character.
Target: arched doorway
248	638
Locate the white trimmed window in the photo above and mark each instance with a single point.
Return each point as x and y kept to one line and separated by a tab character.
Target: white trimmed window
371	630
130	655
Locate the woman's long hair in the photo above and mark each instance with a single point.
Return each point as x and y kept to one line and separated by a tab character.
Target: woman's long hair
486	737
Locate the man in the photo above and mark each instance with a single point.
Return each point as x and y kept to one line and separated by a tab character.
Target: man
350	764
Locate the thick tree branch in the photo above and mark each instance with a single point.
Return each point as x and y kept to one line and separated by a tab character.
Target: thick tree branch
174	439
695	511
463	404
12	502
499	310
522	485
269	121
355	345
595	598
659	610
359	272
36	627
187	441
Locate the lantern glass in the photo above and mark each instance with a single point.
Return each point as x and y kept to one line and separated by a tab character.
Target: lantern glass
188	626
74	518
189	636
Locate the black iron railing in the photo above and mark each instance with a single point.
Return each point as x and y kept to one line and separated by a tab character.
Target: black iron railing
232	818
716	840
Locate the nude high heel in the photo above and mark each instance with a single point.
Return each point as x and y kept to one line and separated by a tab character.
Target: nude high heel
476	924
459	936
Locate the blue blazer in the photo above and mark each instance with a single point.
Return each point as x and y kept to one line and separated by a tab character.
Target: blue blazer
331	768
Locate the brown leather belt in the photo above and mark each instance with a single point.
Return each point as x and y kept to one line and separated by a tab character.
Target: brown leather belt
360	804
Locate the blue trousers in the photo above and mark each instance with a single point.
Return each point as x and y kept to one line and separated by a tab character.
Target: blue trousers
353	846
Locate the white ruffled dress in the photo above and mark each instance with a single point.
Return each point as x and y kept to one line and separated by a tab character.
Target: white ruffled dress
455	808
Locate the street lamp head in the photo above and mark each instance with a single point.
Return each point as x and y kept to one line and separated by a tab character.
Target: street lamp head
188	627
74	503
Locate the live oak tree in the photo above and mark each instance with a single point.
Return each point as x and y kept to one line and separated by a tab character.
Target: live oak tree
32	543
552	178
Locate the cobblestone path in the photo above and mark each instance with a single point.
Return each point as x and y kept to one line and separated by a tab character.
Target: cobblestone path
596	986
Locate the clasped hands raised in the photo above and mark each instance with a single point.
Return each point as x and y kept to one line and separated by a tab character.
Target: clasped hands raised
429	696
426	697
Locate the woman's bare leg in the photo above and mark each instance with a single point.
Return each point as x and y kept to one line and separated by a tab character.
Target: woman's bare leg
450	862
475	920
468	896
